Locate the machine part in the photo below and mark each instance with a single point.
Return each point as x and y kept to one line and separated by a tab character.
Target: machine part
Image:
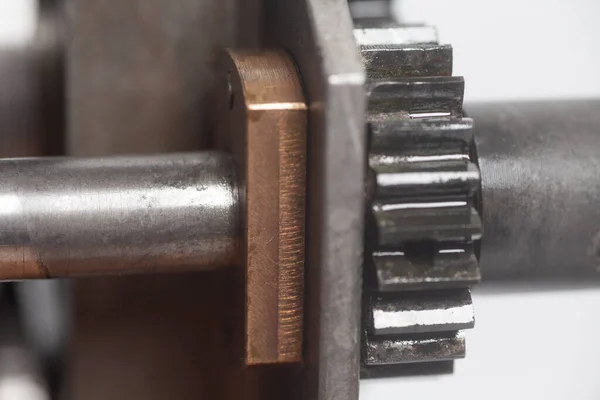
416	349
444	269
422	313
540	163
140	79
422	186
265	122
81	217
318	34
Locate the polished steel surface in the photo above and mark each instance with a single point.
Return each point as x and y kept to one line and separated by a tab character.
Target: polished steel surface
318	34
78	217
424	313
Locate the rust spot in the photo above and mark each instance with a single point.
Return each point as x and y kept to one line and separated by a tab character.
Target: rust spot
43	269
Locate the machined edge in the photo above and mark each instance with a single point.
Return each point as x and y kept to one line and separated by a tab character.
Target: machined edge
319	36
268	139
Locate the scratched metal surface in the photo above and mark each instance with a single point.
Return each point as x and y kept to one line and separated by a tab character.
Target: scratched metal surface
318	33
540	166
140	76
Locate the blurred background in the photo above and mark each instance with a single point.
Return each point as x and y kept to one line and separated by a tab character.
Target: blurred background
35	315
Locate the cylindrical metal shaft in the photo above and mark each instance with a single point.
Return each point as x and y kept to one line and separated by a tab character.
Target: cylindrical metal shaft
540	165
64	217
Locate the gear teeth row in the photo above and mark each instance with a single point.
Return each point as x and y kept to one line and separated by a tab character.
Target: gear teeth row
423	215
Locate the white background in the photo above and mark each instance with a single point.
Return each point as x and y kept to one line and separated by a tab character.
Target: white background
515	49
18	21
538	342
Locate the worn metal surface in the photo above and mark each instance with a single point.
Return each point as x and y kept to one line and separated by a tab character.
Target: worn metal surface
422	219
540	166
456	132
416	348
417	60
318	33
436	95
432	266
444	219
264	124
78	217
420	313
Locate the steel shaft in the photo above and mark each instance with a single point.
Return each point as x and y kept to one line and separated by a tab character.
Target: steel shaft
62	217
540	168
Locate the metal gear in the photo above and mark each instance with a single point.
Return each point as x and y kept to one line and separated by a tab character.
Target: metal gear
423	214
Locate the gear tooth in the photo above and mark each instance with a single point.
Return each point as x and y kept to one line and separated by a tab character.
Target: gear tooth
389	61
417	97
422	266
416	348
429	219
413	136
426	178
422	312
